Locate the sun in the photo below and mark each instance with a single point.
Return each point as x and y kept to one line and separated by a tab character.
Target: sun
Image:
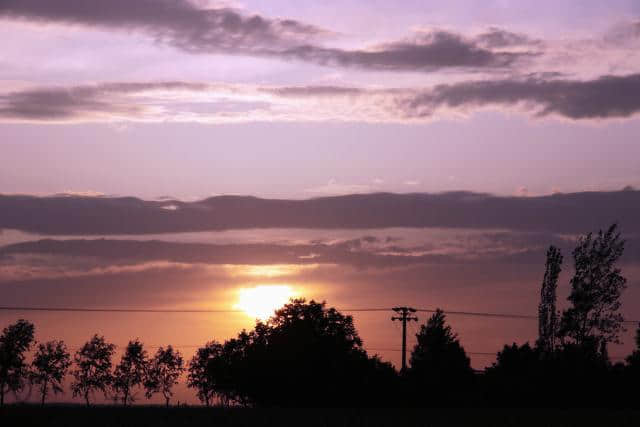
261	301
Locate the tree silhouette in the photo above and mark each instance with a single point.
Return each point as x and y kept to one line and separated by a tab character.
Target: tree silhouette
306	354
596	287
515	376
93	368
547	314
225	370
49	367
634	358
16	339
163	372
438	360
130	372
200	376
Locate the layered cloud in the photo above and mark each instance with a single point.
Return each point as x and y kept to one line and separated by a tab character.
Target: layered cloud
425	52
601	98
605	97
178	23
98	102
566	213
492	68
187	27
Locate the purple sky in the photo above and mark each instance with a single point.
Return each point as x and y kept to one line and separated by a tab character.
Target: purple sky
299	99
292	99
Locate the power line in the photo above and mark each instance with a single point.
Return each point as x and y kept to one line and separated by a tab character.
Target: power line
473	353
116	310
481	314
230	311
185	346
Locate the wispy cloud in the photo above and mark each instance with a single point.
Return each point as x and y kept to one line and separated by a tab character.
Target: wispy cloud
333	187
179	23
604	97
187	27
601	98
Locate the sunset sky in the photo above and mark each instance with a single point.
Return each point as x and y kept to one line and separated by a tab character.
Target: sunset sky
500	110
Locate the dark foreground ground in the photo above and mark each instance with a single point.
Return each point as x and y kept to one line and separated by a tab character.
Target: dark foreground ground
18	416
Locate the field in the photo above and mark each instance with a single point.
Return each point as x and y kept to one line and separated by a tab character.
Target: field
143	416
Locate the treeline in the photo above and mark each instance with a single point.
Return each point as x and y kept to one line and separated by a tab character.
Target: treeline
310	355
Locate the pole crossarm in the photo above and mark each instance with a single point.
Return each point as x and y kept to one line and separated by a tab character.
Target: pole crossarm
404	316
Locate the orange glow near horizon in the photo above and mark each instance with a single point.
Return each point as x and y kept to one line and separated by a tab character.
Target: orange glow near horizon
266	271
261	301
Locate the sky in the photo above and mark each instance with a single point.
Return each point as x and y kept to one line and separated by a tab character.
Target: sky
299	99
482	104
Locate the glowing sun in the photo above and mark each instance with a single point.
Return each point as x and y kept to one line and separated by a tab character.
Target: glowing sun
261	301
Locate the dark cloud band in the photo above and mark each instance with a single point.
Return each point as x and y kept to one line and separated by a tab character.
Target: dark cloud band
566	213
181	24
602	98
608	96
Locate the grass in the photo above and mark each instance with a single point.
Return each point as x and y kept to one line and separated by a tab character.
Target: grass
156	416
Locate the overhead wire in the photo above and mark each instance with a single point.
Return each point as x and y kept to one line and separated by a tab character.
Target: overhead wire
231	311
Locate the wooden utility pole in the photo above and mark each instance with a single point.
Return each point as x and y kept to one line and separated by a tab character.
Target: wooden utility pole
405	316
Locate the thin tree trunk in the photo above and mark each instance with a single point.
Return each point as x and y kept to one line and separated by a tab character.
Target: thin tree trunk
43	391
167	399
86	398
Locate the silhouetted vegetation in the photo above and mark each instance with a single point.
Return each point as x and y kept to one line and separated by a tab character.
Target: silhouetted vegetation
634	358
305	355
163	372
308	354
548	324
130	372
440	361
93	368
574	370
15	341
596	287
49	367
202	372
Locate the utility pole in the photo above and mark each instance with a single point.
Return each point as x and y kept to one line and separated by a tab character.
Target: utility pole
405	316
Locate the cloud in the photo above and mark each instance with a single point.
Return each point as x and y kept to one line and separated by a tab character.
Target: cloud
333	188
85	193
91	257
108	101
623	33
601	98
185	26
38	265
425	52
178	23
314	91
497	38
567	213
604	97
